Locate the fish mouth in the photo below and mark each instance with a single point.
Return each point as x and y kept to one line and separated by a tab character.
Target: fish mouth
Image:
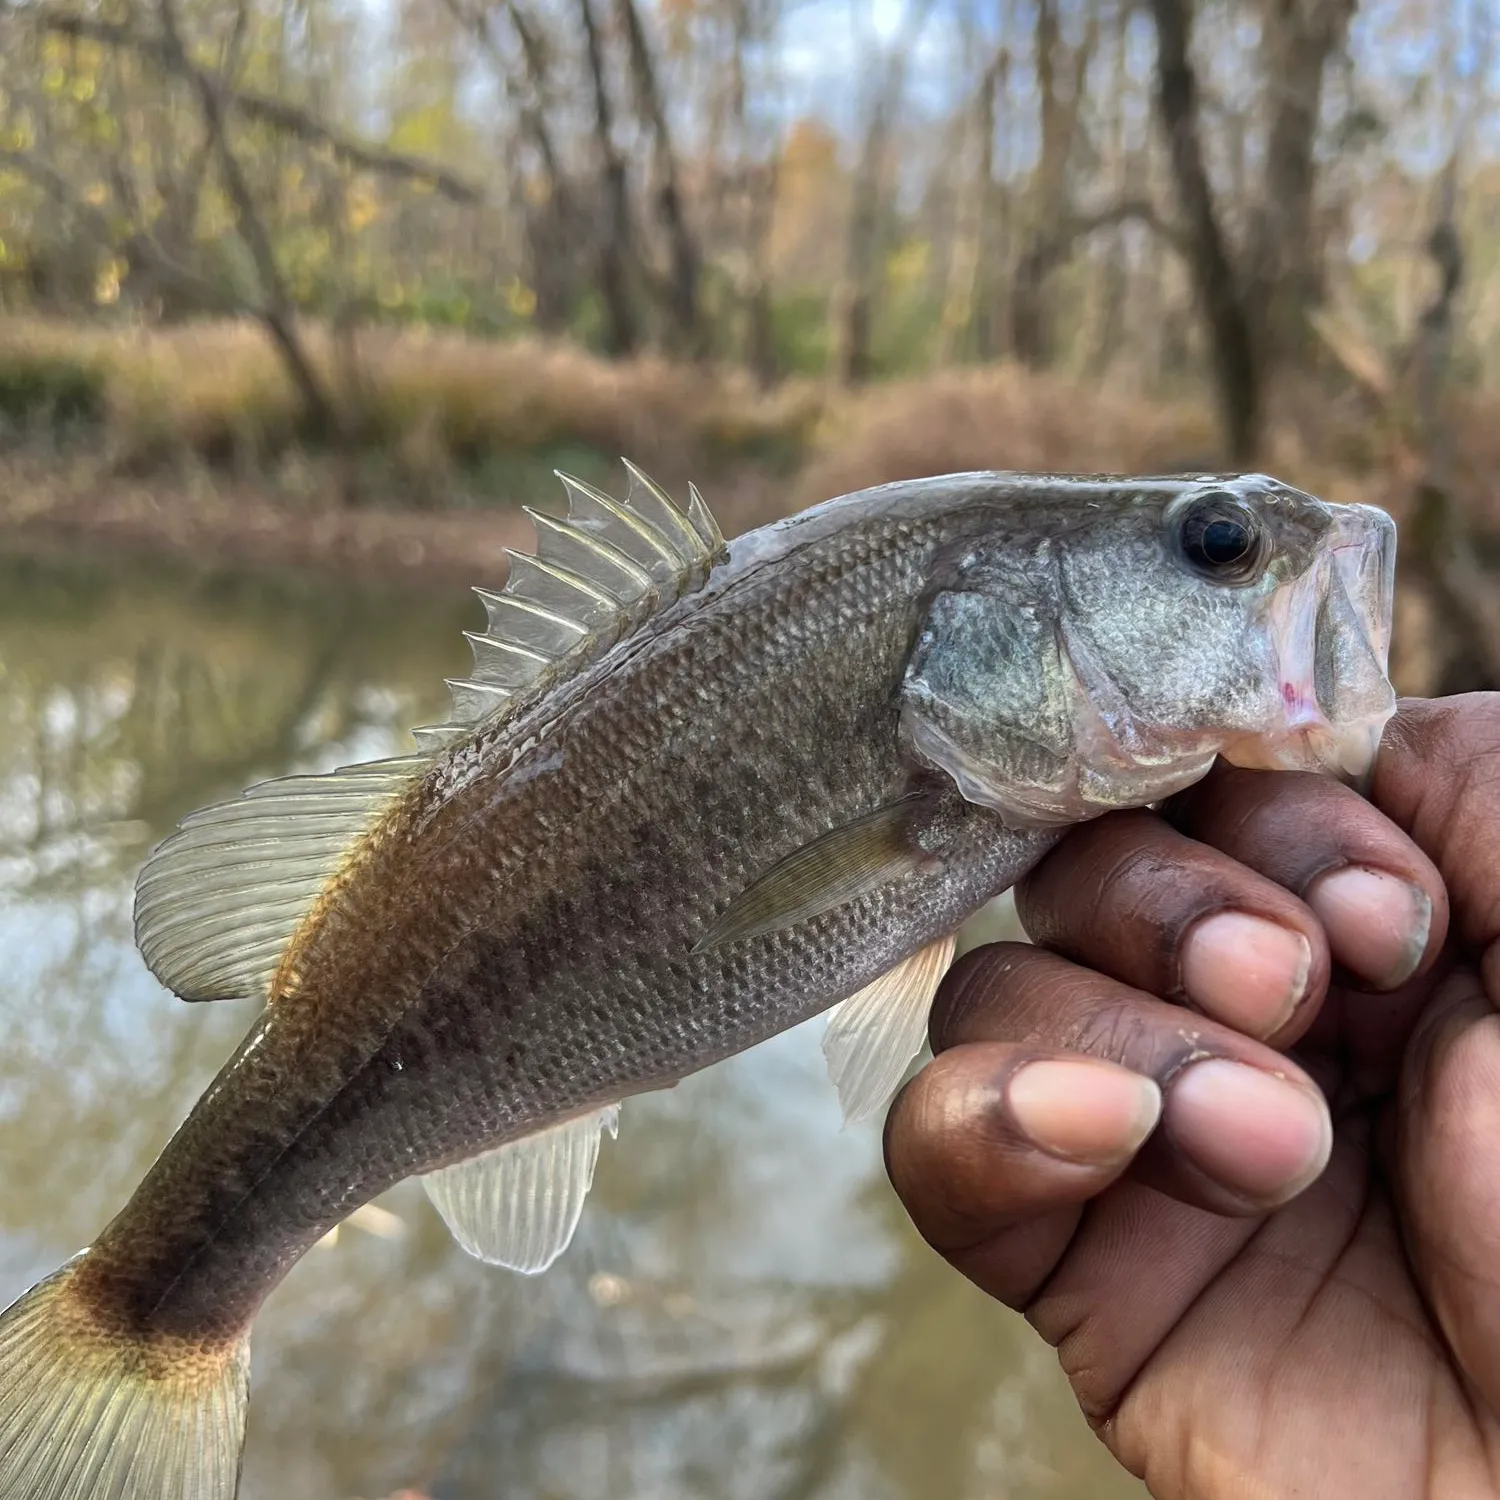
1331	633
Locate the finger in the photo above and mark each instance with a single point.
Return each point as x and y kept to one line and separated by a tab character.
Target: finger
1243	1129
994	1148
1438	777
1133	898
1130	1291
1449	1122
1379	898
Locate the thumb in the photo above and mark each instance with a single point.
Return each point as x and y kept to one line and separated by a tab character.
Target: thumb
1448	1122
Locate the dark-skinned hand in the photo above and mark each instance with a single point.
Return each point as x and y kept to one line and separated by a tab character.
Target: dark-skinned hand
1229	1135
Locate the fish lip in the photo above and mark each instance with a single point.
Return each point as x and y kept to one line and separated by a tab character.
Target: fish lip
1360	551
1378	534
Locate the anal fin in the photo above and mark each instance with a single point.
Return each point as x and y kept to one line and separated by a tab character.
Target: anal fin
874	1034
518	1205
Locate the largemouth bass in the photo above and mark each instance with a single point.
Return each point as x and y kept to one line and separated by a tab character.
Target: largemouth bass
692	795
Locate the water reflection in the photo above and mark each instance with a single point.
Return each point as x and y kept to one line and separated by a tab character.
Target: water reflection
746	1311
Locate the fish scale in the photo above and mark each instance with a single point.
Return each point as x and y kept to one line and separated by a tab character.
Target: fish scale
691	796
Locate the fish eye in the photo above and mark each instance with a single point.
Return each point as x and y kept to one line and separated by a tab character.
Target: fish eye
1220	538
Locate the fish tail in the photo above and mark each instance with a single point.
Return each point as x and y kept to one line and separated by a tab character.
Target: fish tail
89	1413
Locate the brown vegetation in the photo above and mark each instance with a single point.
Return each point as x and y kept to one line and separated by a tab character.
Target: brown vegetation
428	404
193	432
433	408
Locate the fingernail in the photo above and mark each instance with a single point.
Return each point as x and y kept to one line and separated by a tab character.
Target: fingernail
1265	1138
1377	924
1246	971
1084	1110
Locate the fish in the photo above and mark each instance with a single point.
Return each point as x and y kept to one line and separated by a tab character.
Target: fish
692	794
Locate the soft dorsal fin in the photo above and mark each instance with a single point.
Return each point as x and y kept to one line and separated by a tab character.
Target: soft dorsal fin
598	574
873	1035
218	902
519	1204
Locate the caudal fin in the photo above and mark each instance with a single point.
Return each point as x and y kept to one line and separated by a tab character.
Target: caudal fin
86	1415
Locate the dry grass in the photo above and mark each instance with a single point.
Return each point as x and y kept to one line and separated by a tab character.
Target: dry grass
433	404
443	417
1000	417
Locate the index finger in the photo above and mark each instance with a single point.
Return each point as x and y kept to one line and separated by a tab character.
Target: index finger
1438	777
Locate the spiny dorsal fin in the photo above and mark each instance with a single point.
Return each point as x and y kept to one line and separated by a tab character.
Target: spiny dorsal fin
598	574
218	902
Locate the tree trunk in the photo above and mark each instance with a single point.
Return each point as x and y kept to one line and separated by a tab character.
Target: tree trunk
616	241
1282	264
1106	329
1236	365
856	291
1032	333
981	333
551	224
854	296
755	186
760	327
682	287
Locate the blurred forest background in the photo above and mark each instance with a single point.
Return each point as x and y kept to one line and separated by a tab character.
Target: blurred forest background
345	279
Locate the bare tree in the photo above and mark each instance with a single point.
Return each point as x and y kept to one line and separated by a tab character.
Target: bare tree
854	297
555	222
1255	305
616	249
682	282
1061	106
275	307
1237	370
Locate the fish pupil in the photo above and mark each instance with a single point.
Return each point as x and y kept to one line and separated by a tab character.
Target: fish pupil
1222	545
1225	542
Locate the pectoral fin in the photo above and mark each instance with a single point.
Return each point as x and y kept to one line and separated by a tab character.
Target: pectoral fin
833	869
874	1034
518	1205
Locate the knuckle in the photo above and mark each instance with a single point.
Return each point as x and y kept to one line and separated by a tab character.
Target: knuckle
974	992
1152	1042
946	1154
1457	743
1284	825
1117	1033
1127	879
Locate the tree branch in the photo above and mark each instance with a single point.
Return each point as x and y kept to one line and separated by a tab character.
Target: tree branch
269	111
1052	249
278	313
139	249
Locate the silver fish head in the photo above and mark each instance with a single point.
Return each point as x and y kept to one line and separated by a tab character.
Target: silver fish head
1106	661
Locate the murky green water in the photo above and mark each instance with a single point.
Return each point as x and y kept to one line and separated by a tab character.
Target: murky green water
745	1312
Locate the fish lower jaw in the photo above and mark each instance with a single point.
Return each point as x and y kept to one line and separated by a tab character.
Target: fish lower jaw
1346	750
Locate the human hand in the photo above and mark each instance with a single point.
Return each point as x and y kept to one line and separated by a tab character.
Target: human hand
1133	1173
